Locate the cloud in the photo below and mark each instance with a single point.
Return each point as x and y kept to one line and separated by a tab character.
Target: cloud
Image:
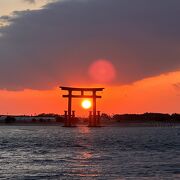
4	18
177	86
57	44
30	1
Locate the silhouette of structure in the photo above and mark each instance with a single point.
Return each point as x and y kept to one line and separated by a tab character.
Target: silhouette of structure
94	116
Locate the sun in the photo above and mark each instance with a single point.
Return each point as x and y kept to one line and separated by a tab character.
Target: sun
86	104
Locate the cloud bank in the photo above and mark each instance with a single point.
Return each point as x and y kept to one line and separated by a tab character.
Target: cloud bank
30	1
56	45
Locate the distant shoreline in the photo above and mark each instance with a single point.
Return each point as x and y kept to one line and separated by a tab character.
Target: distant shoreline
109	124
118	120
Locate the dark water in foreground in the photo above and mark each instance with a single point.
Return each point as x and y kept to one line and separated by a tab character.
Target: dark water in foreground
53	152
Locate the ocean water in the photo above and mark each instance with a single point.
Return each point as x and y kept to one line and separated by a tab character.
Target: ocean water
54	152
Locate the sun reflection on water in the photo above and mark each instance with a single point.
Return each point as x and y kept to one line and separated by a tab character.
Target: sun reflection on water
85	155
84	129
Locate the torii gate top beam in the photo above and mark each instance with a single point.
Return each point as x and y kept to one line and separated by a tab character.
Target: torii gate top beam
81	89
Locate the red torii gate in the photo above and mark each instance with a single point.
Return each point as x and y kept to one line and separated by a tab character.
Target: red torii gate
70	114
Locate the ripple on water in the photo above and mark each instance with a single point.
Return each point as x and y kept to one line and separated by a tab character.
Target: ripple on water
82	153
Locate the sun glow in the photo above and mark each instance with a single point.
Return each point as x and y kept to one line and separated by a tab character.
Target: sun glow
86	104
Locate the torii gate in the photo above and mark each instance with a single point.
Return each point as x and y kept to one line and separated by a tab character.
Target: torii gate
70	114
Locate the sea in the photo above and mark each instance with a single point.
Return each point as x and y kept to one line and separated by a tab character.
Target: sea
55	152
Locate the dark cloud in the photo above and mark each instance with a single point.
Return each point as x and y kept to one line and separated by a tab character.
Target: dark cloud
30	1
56	45
4	18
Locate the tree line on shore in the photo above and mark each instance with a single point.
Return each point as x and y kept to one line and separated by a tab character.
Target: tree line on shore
146	117
121	118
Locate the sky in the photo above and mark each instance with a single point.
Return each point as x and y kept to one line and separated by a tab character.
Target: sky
132	48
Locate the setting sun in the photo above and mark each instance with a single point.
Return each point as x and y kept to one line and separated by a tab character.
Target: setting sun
86	104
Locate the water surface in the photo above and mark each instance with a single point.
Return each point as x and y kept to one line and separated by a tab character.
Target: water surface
54	152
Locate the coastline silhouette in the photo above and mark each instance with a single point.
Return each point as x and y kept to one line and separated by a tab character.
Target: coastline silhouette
128	119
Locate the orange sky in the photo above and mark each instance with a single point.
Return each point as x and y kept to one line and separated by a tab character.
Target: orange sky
156	94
